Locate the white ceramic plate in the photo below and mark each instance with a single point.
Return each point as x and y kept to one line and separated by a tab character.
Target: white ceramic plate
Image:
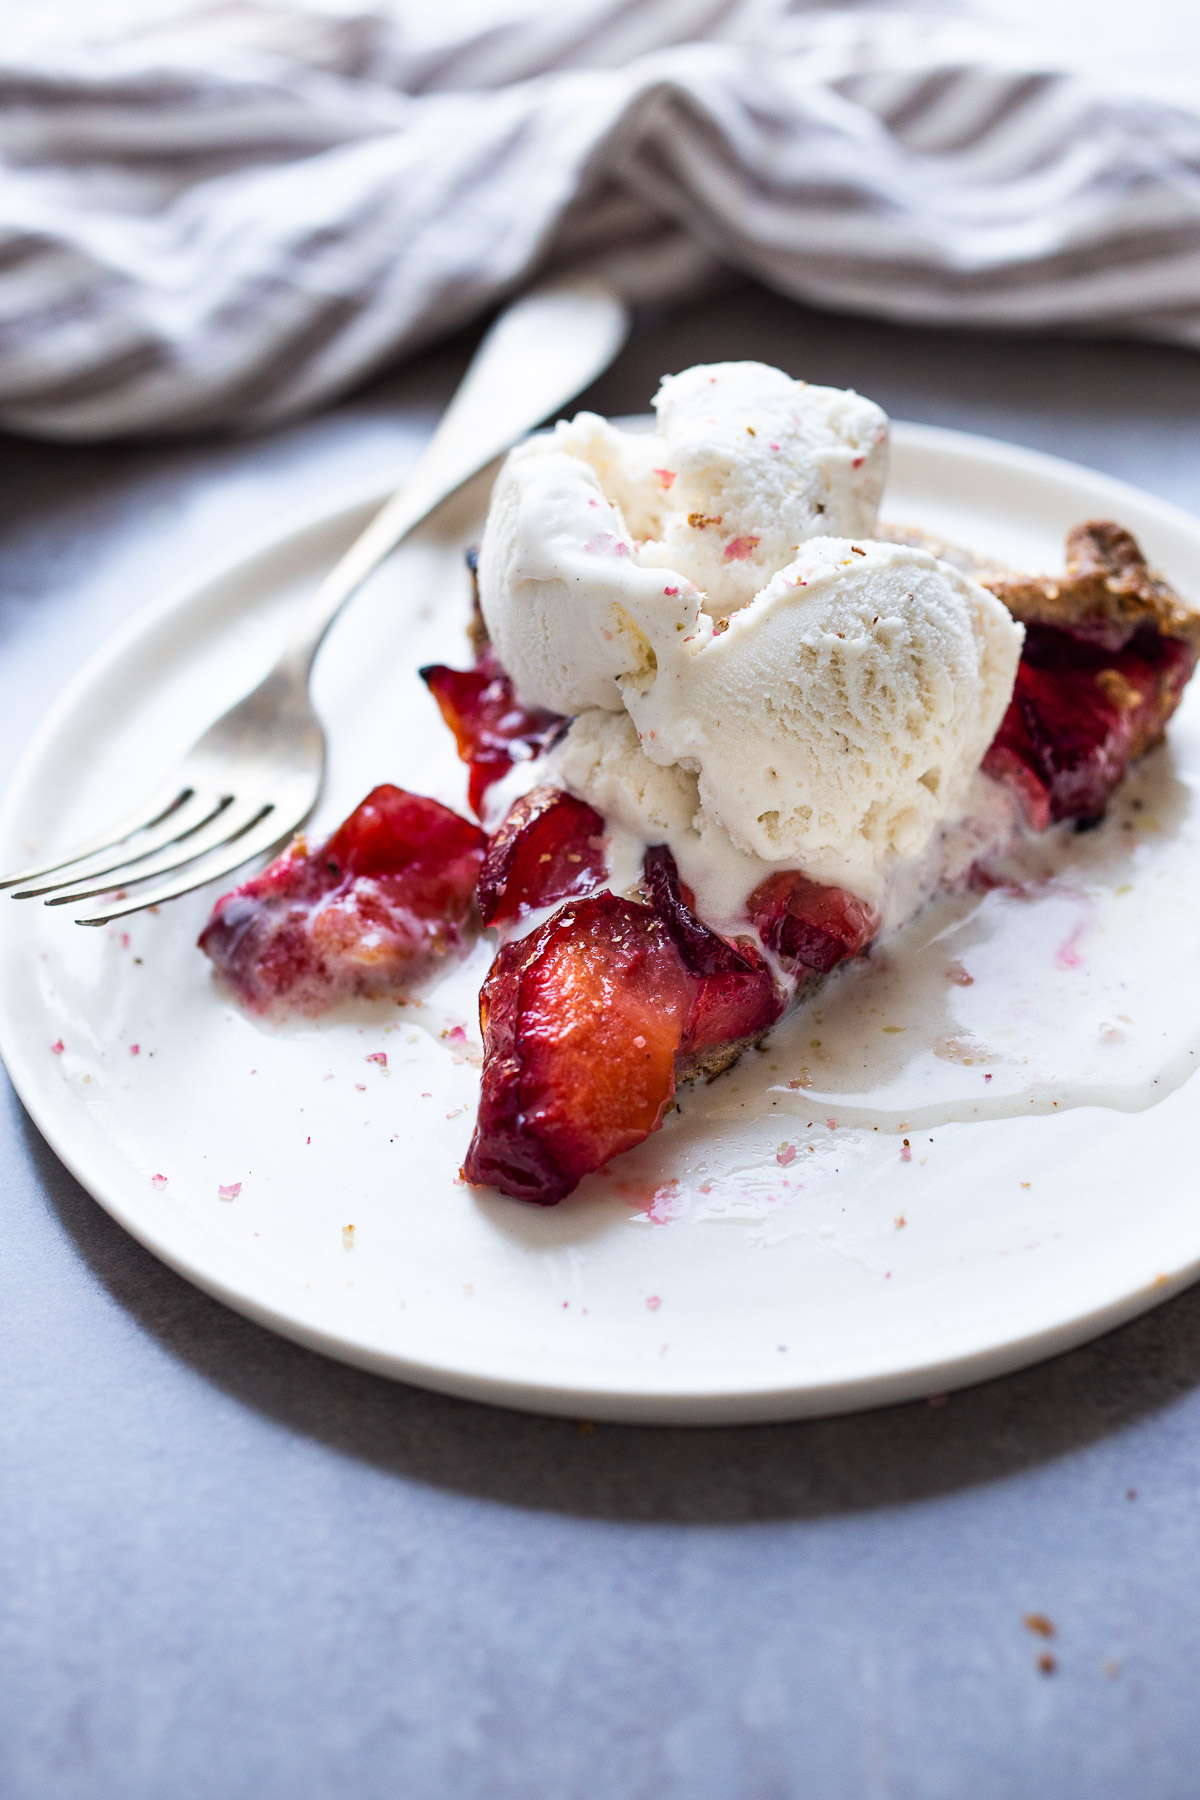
774	1251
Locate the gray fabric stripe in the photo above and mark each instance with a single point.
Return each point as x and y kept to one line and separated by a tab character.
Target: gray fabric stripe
215	243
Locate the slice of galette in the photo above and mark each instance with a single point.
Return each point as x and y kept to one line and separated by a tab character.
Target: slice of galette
602	1003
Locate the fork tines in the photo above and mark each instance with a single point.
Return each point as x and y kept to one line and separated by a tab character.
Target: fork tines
181	831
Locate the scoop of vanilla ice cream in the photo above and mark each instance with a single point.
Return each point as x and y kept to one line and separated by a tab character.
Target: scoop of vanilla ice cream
841	715
752	465
601	759
753	679
566	604
601	542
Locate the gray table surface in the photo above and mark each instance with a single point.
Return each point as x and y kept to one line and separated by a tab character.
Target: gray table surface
228	1567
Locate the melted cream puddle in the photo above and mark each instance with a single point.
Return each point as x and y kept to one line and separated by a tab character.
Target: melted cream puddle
1077	983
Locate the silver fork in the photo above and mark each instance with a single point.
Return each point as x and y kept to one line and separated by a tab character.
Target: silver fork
255	775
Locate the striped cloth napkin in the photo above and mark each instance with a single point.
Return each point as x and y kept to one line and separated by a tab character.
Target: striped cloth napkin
221	212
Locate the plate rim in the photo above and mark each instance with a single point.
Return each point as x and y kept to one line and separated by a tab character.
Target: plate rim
656	1402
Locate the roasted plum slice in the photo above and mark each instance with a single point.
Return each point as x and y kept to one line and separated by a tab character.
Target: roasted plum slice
492	728
372	909
735	996
810	927
1109	648
1080	714
588	1024
581	1025
550	847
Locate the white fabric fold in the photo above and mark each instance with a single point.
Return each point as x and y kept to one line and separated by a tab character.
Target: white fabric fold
238	210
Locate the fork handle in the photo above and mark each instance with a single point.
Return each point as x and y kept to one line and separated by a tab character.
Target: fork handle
537	355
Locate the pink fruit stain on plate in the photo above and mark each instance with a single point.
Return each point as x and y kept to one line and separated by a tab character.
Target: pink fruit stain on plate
231	1192
663	1203
1067	955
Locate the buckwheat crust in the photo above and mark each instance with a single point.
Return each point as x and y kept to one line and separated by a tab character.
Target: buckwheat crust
1106	584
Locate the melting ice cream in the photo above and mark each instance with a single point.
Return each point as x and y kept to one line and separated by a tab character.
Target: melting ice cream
754	679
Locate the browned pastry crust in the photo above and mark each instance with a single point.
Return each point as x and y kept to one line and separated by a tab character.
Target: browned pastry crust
1107	590
706	1065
